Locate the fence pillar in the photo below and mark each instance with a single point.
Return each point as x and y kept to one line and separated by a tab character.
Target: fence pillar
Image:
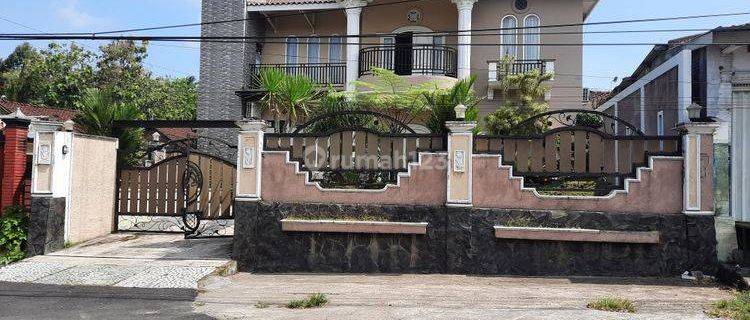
697	146
249	162
14	158
460	150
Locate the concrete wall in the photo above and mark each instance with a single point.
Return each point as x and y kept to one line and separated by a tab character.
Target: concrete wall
91	201
425	184
658	190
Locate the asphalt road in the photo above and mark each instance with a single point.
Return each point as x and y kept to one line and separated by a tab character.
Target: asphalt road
38	301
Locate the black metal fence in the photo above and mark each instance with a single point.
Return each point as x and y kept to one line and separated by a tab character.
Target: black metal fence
407	60
322	73
520	66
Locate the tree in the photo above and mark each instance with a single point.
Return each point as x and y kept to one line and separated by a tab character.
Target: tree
120	69
98	111
287	95
170	99
523	97
442	104
394	95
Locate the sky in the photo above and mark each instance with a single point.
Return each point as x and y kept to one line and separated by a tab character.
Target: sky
601	64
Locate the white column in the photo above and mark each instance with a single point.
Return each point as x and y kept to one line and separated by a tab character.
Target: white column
353	14
464	37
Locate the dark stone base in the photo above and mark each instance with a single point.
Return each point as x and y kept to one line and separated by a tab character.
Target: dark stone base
46	225
461	240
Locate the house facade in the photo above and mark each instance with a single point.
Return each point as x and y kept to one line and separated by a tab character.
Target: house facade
338	42
712	71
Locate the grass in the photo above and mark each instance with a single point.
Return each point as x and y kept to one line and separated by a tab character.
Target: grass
262	305
612	304
520	222
315	300
736	308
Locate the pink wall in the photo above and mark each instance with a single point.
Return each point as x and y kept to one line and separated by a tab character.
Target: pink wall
658	191
426	185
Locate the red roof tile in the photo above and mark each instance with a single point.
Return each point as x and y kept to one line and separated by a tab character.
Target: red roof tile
278	2
37	111
177	133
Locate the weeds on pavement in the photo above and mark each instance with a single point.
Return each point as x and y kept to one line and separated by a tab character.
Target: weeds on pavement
612	304
737	308
262	305
313	301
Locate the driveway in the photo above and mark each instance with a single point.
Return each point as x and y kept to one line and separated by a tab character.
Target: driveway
448	297
127	260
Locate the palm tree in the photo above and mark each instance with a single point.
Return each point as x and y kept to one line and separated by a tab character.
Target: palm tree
98	110
287	95
442	104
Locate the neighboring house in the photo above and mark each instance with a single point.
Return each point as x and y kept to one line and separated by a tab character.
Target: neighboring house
593	98
226	90
717	77
45	118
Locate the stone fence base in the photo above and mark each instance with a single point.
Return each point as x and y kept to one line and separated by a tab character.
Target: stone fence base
463	241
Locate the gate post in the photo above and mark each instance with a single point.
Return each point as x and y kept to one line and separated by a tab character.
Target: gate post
460	151
697	146
249	162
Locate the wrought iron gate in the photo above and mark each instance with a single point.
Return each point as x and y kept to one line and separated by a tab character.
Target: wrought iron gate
189	191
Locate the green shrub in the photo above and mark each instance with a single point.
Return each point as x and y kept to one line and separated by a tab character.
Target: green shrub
612	304
589	120
13	235
737	308
315	300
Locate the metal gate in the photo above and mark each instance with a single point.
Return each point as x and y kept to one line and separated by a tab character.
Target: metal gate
188	191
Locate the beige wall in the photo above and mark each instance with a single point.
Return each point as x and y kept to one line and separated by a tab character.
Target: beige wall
425	186
92	187
442	15
659	191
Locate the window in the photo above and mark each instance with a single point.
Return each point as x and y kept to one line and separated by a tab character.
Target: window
313	50
508	37
388	55
531	37
335	49
291	50
438	59
660	128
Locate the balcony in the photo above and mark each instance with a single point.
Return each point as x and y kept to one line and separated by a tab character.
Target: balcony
496	71
409	60
322	73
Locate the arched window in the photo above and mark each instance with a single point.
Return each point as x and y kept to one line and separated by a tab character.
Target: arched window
508	37
335	49
313	50
291	50
531	37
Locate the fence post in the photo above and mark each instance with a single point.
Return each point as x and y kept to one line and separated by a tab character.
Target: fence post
460	150
249	162
14	158
697	146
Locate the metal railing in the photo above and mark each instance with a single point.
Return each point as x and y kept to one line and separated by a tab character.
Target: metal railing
322	73
497	70
408	60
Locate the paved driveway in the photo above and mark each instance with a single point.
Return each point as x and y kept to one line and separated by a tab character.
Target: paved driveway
448	297
126	260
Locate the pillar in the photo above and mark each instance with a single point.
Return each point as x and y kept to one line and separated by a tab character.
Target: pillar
465	8
697	148
460	150
249	162
14	159
353	10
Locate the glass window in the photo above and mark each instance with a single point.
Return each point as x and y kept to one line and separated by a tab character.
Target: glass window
531	37
313	50
335	51
508	37
291	50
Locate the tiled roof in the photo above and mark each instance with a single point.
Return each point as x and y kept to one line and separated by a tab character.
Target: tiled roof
46	113
278	2
177	133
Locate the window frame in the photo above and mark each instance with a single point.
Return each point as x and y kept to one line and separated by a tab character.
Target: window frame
341	48
286	50
538	37
502	37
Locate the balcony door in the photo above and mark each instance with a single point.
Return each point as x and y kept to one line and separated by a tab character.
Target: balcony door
404	53
412	54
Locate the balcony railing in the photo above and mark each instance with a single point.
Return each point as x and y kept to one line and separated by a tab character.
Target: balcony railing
322	73
408	60
497	70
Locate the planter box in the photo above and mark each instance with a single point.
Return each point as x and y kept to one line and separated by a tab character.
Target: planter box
343	226
577	235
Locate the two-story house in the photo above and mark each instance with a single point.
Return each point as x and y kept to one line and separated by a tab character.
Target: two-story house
711	69
336	42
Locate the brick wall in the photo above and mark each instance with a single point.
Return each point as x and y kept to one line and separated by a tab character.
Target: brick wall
14	165
224	67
